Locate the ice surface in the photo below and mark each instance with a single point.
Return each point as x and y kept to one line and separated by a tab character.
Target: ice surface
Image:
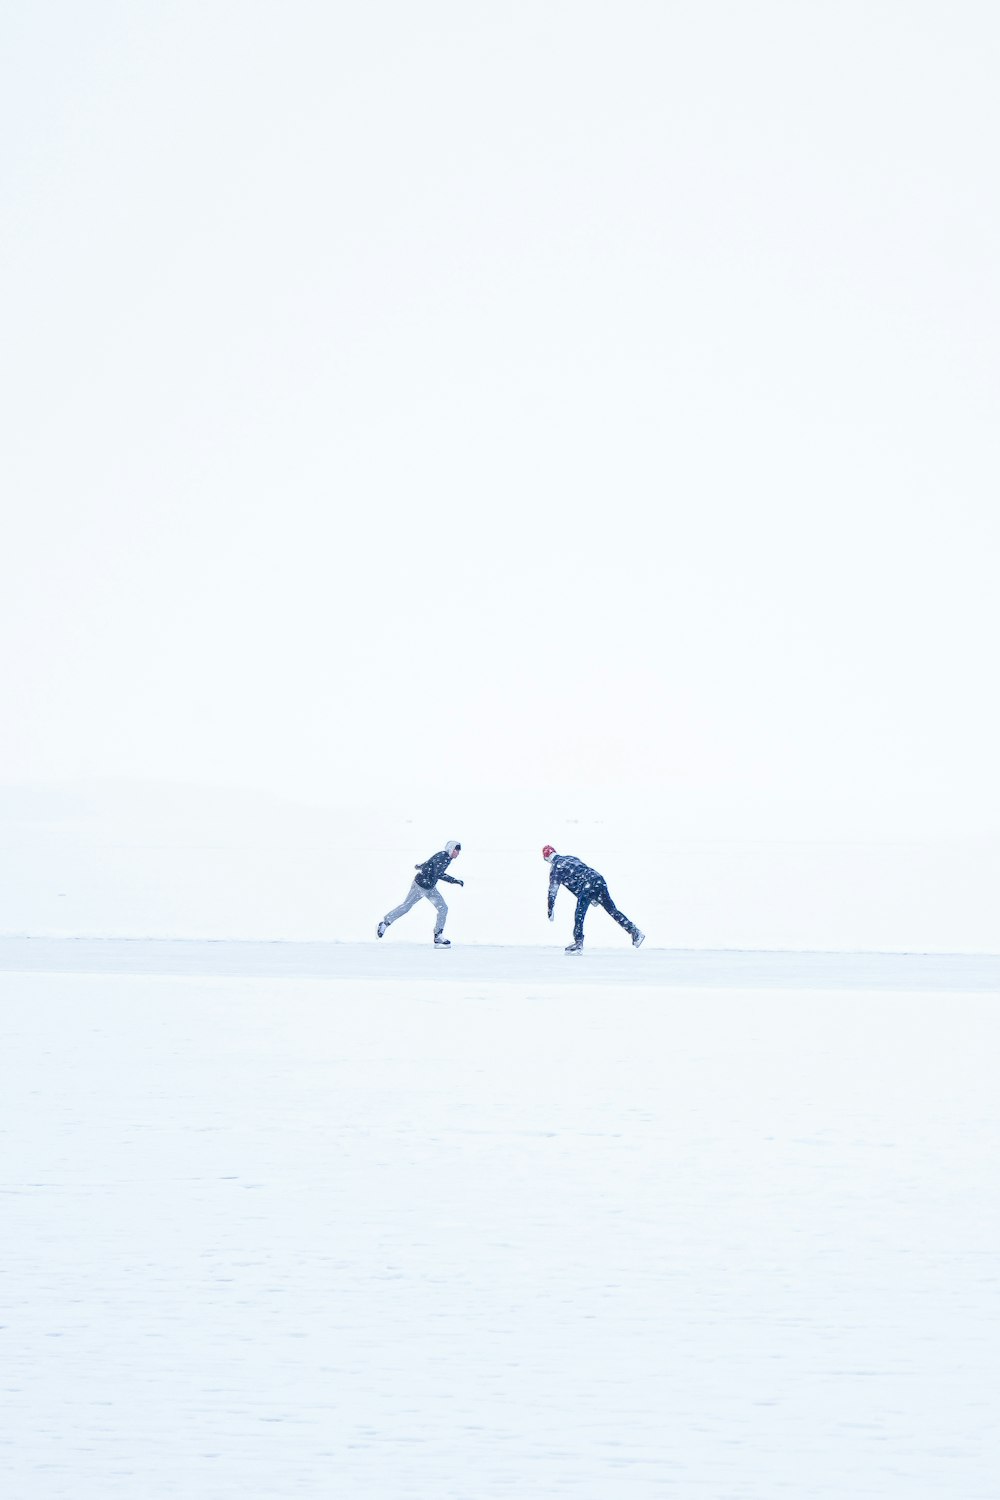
448	1237
486	964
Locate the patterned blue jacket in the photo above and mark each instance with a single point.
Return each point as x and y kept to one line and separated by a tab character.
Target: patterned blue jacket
432	870
567	870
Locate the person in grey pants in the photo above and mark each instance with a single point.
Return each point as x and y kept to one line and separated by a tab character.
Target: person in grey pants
425	885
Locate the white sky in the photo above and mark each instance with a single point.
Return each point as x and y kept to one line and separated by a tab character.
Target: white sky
410	395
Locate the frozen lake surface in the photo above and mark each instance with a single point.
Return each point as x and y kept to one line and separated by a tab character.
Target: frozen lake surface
375	1221
488	964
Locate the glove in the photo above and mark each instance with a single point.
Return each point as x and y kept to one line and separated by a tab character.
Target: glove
552	916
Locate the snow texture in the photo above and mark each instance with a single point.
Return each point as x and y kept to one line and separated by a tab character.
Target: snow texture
441	1234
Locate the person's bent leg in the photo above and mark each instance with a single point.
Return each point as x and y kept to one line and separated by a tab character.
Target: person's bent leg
413	895
436	899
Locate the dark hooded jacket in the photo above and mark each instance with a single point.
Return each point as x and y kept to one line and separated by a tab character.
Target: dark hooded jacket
567	870
432	870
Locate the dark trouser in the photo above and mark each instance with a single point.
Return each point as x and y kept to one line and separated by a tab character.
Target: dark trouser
598	895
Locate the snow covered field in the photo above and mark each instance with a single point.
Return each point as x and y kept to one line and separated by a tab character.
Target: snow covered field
596	1231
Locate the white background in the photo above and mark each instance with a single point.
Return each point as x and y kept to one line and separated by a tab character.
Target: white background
413	402
515	423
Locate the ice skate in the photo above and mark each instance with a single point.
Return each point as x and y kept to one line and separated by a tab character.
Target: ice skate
382	929
441	942
638	939
576	947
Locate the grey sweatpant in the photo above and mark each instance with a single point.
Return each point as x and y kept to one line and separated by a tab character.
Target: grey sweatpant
413	895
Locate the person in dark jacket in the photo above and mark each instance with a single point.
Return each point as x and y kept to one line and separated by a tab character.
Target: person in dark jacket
425	884
589	888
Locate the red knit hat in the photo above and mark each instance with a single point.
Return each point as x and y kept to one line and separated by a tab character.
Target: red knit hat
548	852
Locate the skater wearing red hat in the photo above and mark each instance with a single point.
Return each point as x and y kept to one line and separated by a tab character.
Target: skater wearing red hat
590	888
